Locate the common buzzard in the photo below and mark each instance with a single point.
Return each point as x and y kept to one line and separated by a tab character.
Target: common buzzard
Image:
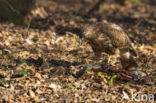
111	39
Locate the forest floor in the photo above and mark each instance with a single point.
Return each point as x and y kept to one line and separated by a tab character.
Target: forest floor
45	61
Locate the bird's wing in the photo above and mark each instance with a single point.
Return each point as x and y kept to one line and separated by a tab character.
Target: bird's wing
119	38
98	39
96	35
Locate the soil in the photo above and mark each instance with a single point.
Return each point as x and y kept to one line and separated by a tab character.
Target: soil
49	61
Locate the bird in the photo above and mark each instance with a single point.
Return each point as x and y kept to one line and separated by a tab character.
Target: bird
16	11
111	39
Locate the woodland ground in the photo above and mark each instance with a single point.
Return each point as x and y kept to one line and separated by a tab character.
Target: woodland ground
41	63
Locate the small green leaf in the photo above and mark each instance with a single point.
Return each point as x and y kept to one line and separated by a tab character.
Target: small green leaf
111	79
5	57
87	62
44	59
88	73
114	76
8	69
2	81
100	75
71	86
133	100
24	73
21	60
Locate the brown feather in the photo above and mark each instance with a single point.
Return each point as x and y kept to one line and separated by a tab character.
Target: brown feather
108	38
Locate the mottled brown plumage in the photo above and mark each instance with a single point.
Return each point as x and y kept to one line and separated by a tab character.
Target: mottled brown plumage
111	39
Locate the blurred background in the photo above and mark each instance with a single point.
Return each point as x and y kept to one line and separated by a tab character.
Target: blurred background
138	17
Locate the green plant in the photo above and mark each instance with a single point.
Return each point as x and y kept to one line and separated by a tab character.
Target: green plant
87	62
111	79
155	45
75	40
2	81
71	86
45	61
88	73
100	75
5	57
24	73
8	69
133	100
21	60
